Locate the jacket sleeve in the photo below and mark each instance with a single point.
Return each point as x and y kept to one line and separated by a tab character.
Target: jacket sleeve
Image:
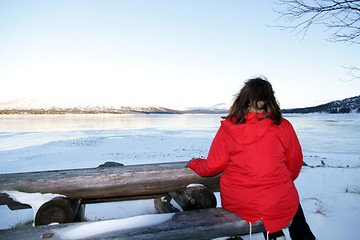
293	151
217	158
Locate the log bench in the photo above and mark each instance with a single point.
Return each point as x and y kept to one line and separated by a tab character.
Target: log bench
117	183
106	184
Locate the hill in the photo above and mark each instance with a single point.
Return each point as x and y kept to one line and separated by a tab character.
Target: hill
347	105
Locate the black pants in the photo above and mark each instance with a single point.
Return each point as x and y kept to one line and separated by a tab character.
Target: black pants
299	229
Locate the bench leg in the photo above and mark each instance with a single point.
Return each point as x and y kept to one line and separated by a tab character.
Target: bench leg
57	210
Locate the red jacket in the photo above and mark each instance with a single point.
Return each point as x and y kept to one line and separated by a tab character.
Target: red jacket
259	161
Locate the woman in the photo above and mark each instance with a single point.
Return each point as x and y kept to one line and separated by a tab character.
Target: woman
259	156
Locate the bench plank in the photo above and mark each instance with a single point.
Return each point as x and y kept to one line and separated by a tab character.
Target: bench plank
93	185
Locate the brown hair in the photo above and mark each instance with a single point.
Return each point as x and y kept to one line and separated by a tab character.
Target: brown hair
258	94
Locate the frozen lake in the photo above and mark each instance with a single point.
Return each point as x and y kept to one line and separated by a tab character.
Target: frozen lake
75	141
18	131
331	138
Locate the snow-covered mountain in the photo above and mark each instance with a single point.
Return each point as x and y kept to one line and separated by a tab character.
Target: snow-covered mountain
220	108
84	106
91	110
36	106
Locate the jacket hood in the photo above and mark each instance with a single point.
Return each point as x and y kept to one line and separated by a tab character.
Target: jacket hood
249	132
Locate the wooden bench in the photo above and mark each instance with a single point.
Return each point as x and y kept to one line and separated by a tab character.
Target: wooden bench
106	184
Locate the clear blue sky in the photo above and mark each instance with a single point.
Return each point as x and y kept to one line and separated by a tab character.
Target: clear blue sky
174	54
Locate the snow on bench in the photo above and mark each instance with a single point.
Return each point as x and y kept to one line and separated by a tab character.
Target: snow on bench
197	224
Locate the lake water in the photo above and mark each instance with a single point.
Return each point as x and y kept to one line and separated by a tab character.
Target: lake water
322	136
18	131
334	137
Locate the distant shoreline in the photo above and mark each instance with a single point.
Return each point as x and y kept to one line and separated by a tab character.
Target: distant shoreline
124	112
348	105
151	110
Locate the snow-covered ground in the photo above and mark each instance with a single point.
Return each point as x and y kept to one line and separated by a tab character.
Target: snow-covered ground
329	188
